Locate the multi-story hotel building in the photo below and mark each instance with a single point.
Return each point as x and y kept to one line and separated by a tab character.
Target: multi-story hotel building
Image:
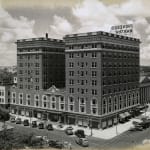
144	90
40	66
102	77
40	63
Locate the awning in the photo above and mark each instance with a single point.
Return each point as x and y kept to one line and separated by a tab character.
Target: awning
127	114
122	116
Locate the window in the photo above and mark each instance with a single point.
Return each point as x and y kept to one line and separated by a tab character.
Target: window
110	104
94	64
37	72
94	54
82	105
94	82
94	73
94	92
53	102
71	55
28	99
94	106
71	64
61	103
71	73
37	80
71	104
13	97
82	64
37	65
20	98
71	81
71	90
104	106
82	73
36	100
44	101
36	87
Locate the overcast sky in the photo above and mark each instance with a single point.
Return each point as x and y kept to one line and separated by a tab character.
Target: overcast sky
22	19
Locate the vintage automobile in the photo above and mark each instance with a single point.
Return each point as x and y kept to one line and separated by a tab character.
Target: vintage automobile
69	130
34	124
82	141
26	122
49	127
41	125
18	121
56	144
80	133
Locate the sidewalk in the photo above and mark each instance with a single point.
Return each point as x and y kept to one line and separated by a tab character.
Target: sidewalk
98	133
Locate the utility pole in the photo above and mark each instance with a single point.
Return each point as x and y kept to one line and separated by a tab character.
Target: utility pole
116	125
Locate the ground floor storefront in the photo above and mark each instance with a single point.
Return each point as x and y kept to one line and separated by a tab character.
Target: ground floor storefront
83	120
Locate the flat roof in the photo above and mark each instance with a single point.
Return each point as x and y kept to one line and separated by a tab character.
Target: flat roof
102	33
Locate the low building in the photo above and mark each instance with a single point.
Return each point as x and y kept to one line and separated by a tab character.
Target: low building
5	96
45	104
144	90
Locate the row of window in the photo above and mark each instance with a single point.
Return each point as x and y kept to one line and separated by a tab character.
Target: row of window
116	89
83	54
113	55
83	91
104	45
114	72
36	56
121	64
29	65
28	86
119	102
29	72
111	64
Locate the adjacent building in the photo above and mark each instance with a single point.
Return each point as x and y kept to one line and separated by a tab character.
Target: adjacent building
5	96
40	66
144	90
102	77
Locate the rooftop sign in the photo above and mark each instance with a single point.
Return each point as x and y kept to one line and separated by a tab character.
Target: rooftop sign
126	30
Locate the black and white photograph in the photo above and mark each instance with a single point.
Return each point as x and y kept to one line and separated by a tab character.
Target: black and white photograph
75	74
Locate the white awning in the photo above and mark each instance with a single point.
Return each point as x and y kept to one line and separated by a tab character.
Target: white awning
80	122
122	116
127	114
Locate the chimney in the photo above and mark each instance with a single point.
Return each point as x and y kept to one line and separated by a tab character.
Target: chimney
47	35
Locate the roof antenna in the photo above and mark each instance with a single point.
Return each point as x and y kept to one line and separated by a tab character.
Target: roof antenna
47	35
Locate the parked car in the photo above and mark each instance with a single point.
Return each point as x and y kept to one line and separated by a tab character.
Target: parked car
12	119
69	130
41	125
136	128
145	124
56	144
26	122
18	121
60	126
49	127
34	124
80	133
82	141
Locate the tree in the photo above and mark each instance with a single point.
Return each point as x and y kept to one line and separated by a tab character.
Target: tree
4	115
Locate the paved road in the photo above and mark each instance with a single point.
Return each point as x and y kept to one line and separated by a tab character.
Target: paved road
127	139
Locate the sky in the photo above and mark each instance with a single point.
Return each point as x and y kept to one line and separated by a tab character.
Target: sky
27	19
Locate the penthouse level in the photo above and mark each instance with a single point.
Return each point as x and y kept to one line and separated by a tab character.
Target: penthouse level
102	39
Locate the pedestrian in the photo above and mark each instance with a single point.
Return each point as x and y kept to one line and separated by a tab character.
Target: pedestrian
69	146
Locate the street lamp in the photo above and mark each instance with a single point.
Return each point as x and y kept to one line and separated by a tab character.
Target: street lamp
91	127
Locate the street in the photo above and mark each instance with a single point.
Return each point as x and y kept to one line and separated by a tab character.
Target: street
127	139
